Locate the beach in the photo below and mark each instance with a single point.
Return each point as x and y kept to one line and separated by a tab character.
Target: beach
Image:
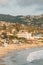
10	47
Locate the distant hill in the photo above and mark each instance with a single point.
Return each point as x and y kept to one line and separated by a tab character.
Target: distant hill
27	20
9	18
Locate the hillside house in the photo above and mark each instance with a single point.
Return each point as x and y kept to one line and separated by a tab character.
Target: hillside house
24	34
8	33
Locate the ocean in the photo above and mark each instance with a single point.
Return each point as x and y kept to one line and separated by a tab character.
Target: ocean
20	57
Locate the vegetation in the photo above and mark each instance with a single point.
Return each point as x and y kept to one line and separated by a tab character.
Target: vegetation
10	26
27	20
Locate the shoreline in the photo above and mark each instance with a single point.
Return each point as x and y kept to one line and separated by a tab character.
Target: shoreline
12	47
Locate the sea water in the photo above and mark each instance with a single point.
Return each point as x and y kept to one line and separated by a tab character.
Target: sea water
20	57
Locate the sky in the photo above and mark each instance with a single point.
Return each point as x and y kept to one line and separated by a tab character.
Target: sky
21	7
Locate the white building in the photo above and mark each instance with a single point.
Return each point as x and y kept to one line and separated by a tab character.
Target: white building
24	34
15	41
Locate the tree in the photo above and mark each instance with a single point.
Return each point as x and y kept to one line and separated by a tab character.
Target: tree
4	27
4	35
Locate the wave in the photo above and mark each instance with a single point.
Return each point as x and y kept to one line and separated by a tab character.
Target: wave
35	55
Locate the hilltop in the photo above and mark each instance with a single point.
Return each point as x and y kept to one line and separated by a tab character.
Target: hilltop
27	20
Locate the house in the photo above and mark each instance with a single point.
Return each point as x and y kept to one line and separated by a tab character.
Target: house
4	42
13	30
24	34
8	33
15	41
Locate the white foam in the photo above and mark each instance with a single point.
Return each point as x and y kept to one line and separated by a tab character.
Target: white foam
35	55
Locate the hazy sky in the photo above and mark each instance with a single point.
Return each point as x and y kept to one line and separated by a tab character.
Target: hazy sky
21	7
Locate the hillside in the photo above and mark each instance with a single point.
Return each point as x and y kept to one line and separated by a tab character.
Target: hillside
27	20
21	29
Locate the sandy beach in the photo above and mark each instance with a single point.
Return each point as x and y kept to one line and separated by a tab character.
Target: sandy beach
11	47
